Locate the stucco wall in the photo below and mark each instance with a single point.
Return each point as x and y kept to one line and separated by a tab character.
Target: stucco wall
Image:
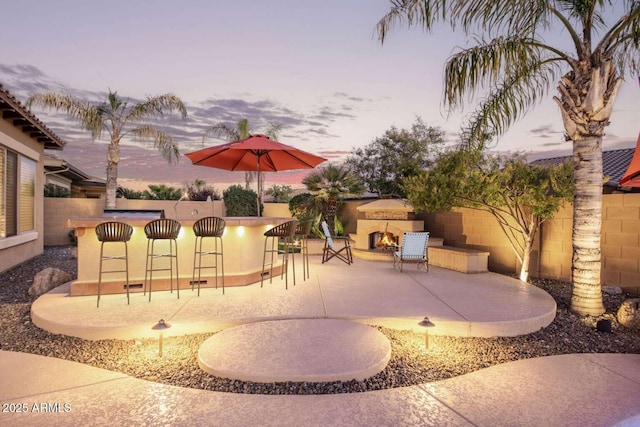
551	257
18	249
59	210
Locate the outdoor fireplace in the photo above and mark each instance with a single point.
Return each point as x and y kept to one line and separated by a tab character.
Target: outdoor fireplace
381	225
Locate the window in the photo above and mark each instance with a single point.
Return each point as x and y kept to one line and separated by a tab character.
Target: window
27	197
17	193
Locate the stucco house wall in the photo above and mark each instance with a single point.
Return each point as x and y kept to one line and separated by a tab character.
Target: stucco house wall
22	133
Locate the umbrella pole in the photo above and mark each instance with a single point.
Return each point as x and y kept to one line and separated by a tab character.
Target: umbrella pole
259	201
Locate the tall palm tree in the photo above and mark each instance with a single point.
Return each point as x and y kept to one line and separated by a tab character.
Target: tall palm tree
118	119
241	131
331	184
517	66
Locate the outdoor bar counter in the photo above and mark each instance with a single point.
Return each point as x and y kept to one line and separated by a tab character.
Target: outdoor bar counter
243	242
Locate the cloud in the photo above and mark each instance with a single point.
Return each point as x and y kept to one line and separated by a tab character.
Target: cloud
334	154
546	131
140	161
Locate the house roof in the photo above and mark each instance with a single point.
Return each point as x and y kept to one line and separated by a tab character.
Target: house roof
12	110
56	166
614	164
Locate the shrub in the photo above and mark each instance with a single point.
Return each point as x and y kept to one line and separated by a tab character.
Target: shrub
52	190
280	193
303	206
240	202
162	192
128	193
200	191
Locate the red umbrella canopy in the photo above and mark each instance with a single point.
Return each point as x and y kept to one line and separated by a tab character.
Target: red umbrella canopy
256	153
631	177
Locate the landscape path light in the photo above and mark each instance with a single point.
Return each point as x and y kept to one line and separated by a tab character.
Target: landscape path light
426	323
160	326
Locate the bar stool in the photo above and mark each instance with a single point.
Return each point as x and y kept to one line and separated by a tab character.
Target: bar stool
302	234
284	232
213	227
161	229
114	232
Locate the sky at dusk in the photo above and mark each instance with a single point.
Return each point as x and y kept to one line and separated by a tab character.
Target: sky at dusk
316	68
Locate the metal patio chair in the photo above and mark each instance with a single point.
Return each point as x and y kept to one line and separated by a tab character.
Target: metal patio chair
113	232
210	227
281	238
413	249
331	250
167	230
302	235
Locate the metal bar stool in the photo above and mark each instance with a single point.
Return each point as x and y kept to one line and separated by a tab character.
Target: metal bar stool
114	232
213	227
283	232
301	235
161	229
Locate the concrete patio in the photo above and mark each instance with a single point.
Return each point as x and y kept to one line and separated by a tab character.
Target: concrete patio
581	390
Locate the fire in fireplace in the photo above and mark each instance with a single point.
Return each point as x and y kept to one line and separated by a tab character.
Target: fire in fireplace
382	240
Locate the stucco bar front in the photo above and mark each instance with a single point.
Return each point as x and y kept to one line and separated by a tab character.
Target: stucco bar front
243	243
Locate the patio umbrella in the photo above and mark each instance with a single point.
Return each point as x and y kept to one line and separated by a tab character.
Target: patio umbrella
257	153
631	177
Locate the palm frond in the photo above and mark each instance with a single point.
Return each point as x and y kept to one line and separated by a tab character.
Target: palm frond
162	142
273	131
156	106
511	99
624	34
411	12
524	17
87	115
482	15
484	65
224	131
627	58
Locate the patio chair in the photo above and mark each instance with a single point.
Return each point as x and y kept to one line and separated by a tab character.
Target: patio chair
413	249
302	236
113	232
281	238
330	250
164	229
210	227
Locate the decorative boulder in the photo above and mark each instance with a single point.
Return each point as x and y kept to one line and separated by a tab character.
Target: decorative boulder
48	279
628	314
612	290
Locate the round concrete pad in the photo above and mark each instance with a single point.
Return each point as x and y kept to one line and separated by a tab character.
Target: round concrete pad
311	350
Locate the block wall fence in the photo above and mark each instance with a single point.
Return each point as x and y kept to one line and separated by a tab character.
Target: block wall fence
551	257
465	228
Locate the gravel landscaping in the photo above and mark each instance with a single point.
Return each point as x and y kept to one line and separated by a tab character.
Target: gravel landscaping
410	364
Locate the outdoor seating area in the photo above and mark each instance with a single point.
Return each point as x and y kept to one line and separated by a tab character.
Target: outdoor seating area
176	257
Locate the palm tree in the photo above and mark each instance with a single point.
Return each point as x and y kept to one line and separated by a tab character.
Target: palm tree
241	131
518	67
118	119
331	184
